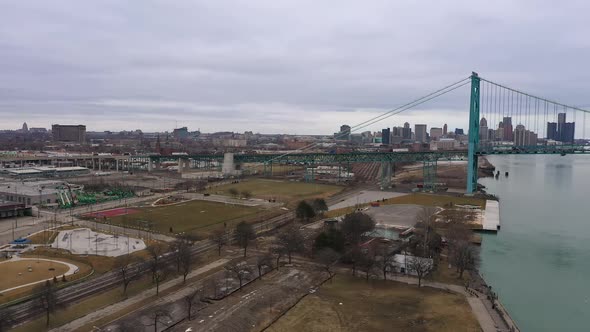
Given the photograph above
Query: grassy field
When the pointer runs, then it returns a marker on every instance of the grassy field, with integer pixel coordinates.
(10, 272)
(43, 237)
(283, 191)
(352, 304)
(196, 217)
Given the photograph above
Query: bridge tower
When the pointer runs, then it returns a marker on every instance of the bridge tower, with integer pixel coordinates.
(473, 134)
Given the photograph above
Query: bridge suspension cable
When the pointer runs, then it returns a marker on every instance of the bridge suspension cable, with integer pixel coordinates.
(509, 115)
(419, 101)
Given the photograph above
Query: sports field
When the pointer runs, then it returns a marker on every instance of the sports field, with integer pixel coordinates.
(352, 304)
(283, 191)
(40, 271)
(195, 217)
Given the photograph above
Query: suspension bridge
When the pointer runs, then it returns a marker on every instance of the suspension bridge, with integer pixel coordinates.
(502, 120)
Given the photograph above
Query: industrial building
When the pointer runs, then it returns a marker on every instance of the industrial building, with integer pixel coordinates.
(69, 133)
(33, 192)
(45, 171)
(11, 209)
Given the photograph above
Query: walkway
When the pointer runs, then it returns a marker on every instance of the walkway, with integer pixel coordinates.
(71, 270)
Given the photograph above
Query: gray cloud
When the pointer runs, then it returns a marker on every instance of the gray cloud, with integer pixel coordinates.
(268, 66)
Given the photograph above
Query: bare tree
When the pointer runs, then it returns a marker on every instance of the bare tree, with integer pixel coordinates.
(425, 220)
(278, 251)
(420, 266)
(159, 316)
(46, 299)
(239, 270)
(264, 260)
(128, 268)
(244, 235)
(464, 256)
(367, 264)
(247, 194)
(186, 263)
(385, 259)
(155, 251)
(327, 257)
(6, 320)
(220, 239)
(190, 299)
(292, 241)
(161, 273)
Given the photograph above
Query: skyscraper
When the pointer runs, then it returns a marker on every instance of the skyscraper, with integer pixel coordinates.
(435, 133)
(420, 130)
(483, 129)
(561, 126)
(552, 131)
(407, 131)
(508, 130)
(445, 130)
(386, 136)
(569, 129)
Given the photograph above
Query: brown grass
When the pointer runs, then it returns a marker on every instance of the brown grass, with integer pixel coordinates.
(352, 304)
(40, 271)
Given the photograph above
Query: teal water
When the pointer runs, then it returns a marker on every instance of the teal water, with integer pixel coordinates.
(539, 263)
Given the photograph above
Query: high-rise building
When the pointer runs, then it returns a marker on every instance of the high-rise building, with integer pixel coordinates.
(445, 128)
(180, 133)
(569, 129)
(344, 133)
(407, 131)
(524, 137)
(483, 129)
(25, 128)
(69, 133)
(397, 132)
(561, 125)
(561, 131)
(552, 131)
(508, 129)
(436, 133)
(386, 136)
(459, 131)
(420, 130)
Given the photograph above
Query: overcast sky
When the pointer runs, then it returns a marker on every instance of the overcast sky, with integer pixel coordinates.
(298, 67)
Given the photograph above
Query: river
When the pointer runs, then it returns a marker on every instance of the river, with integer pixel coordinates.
(539, 262)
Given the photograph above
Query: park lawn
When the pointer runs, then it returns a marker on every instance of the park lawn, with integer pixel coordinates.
(282, 191)
(197, 217)
(352, 304)
(435, 200)
(10, 272)
(43, 237)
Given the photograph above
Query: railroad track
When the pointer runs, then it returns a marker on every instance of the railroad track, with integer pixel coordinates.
(27, 310)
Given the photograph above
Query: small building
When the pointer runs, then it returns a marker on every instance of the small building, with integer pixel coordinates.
(402, 263)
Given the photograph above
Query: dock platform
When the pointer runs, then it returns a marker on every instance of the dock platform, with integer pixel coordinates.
(491, 217)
